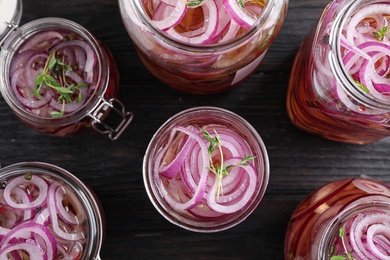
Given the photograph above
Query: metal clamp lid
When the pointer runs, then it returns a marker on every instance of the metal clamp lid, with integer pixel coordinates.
(10, 29)
(10, 13)
(100, 115)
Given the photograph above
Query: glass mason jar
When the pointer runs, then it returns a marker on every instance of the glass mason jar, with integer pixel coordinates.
(345, 217)
(31, 194)
(183, 177)
(193, 54)
(339, 82)
(82, 64)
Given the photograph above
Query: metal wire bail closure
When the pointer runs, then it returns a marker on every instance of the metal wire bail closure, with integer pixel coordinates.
(99, 115)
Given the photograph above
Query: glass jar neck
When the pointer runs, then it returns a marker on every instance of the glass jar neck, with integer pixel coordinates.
(267, 19)
(89, 201)
(21, 35)
(342, 11)
(332, 231)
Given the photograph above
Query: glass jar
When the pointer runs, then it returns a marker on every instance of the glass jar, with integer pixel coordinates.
(82, 65)
(338, 85)
(195, 56)
(341, 213)
(180, 169)
(40, 191)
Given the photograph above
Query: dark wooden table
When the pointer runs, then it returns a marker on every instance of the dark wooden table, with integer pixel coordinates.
(300, 162)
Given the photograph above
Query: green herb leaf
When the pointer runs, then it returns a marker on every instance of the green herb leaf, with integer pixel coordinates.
(57, 114)
(193, 3)
(53, 76)
(347, 255)
(364, 88)
(381, 33)
(39, 79)
(52, 61)
(220, 170)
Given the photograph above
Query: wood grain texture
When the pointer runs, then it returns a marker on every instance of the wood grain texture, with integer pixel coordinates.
(300, 162)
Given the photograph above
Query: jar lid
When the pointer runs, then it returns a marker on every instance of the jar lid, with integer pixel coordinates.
(8, 11)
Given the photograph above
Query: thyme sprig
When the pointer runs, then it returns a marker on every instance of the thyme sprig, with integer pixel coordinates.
(219, 168)
(362, 87)
(347, 255)
(241, 3)
(54, 76)
(193, 3)
(381, 33)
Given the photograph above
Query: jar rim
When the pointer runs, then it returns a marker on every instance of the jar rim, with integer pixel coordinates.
(18, 37)
(86, 196)
(336, 60)
(215, 115)
(200, 48)
(332, 228)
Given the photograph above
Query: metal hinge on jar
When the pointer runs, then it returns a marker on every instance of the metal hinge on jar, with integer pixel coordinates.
(10, 29)
(102, 112)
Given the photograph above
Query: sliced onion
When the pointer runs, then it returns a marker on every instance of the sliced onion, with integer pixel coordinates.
(210, 26)
(27, 231)
(365, 57)
(190, 185)
(170, 16)
(90, 55)
(247, 191)
(370, 235)
(239, 14)
(33, 250)
(22, 181)
(42, 224)
(30, 62)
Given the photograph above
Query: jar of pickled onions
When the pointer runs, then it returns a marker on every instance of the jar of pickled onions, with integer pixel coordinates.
(206, 169)
(48, 213)
(345, 219)
(202, 46)
(339, 86)
(59, 79)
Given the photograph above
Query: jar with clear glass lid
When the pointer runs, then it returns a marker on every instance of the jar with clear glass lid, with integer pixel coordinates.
(205, 46)
(339, 86)
(59, 79)
(344, 219)
(48, 213)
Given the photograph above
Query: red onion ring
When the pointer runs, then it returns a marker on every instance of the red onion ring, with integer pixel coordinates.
(22, 181)
(190, 186)
(48, 230)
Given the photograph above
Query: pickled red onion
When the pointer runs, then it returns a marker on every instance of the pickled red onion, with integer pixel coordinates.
(30, 61)
(167, 16)
(370, 235)
(239, 14)
(191, 186)
(366, 56)
(45, 231)
(218, 14)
